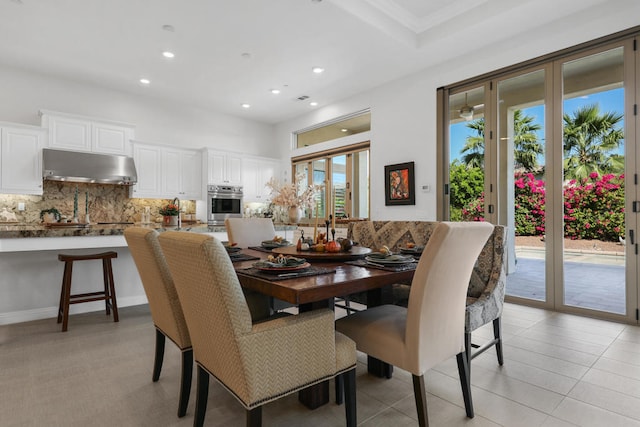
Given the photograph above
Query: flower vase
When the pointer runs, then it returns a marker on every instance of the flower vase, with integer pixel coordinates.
(170, 220)
(294, 214)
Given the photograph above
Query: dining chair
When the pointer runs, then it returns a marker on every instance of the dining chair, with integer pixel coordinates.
(431, 328)
(257, 363)
(166, 311)
(485, 295)
(245, 232)
(165, 307)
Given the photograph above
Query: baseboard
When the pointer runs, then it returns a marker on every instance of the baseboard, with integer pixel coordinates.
(52, 312)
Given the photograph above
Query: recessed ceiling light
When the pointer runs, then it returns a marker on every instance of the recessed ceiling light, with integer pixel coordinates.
(313, 103)
(317, 70)
(344, 130)
(168, 54)
(145, 81)
(246, 105)
(275, 91)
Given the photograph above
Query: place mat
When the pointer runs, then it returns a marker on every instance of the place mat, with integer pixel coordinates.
(260, 248)
(239, 256)
(390, 267)
(311, 271)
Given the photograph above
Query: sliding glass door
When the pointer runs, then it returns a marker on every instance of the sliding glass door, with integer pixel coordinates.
(551, 152)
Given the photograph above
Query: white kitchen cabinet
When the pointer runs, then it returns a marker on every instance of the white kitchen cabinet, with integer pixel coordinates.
(182, 174)
(79, 133)
(256, 172)
(21, 159)
(224, 168)
(165, 172)
(148, 161)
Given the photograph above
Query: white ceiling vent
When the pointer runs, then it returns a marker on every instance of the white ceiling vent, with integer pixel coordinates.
(302, 97)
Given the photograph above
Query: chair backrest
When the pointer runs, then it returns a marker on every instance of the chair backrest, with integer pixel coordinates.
(247, 232)
(490, 269)
(436, 310)
(164, 304)
(213, 303)
(393, 234)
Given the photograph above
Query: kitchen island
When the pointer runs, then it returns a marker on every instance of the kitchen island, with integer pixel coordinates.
(32, 275)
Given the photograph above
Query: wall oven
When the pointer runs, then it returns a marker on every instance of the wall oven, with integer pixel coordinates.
(223, 201)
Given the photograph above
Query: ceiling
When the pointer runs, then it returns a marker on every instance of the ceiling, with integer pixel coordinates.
(230, 52)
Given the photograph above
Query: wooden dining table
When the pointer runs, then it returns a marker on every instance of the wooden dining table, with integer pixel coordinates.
(314, 292)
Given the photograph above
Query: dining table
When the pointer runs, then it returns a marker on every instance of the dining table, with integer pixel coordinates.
(338, 276)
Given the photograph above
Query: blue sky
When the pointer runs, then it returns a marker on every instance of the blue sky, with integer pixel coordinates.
(611, 100)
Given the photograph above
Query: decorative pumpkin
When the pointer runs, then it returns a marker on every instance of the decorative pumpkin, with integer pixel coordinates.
(333, 246)
(319, 247)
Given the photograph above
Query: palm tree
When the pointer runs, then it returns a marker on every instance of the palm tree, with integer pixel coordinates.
(473, 150)
(525, 142)
(589, 139)
(526, 145)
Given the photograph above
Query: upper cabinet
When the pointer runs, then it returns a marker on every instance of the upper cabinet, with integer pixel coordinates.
(166, 172)
(182, 173)
(79, 133)
(223, 167)
(21, 158)
(256, 172)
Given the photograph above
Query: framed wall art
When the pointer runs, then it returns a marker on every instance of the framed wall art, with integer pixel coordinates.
(399, 184)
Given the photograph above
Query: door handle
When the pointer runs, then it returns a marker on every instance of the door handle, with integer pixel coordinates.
(631, 237)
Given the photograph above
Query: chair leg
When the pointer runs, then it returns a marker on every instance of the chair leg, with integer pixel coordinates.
(185, 382)
(159, 357)
(349, 382)
(339, 390)
(497, 334)
(202, 394)
(467, 347)
(420, 395)
(465, 382)
(254, 417)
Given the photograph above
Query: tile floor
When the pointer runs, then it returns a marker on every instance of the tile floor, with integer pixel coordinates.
(560, 370)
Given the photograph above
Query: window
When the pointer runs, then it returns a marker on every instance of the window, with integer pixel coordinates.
(344, 174)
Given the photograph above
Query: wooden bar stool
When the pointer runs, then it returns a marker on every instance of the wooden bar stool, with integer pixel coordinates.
(108, 294)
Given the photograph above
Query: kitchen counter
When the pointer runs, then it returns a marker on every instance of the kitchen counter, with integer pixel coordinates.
(30, 237)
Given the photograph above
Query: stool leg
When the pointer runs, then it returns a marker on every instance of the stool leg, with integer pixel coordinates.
(61, 304)
(112, 286)
(105, 280)
(66, 286)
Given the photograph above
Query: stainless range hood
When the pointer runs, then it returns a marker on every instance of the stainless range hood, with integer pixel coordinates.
(74, 166)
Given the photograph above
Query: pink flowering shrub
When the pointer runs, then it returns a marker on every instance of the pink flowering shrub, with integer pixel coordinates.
(529, 205)
(594, 207)
(474, 210)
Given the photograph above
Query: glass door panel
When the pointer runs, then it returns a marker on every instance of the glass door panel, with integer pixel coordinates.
(360, 185)
(339, 181)
(593, 185)
(467, 155)
(319, 177)
(522, 181)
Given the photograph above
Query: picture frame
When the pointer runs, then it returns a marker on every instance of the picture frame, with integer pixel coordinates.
(399, 184)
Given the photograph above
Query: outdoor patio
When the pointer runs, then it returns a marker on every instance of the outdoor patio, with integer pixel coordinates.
(593, 279)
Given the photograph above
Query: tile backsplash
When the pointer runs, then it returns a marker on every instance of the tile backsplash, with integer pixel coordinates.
(107, 203)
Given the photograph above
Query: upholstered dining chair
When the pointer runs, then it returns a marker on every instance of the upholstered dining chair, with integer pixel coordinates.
(485, 295)
(431, 328)
(245, 232)
(166, 311)
(257, 363)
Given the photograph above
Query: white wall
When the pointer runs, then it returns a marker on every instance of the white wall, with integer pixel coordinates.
(24, 93)
(403, 112)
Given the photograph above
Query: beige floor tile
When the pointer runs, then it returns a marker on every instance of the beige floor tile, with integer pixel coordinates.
(586, 415)
(607, 399)
(613, 382)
